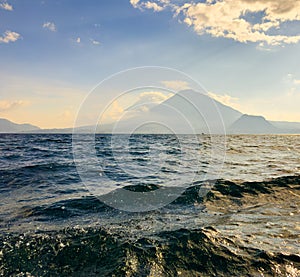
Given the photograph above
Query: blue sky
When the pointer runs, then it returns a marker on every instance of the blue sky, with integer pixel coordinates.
(52, 53)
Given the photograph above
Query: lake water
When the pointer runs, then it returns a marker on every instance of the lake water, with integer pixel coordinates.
(215, 206)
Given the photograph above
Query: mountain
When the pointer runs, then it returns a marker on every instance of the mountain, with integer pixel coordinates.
(189, 111)
(185, 112)
(7, 126)
(204, 113)
(287, 127)
(82, 130)
(250, 124)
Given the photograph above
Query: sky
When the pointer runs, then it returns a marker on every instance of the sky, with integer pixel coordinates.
(245, 53)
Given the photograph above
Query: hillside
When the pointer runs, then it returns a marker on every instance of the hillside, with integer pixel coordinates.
(250, 124)
(185, 112)
(7, 126)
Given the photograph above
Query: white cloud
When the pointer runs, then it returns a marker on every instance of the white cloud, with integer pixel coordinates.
(230, 18)
(226, 100)
(157, 6)
(148, 99)
(153, 97)
(134, 2)
(50, 26)
(128, 107)
(176, 85)
(9, 36)
(227, 19)
(264, 47)
(78, 40)
(154, 6)
(95, 42)
(114, 113)
(6, 105)
(6, 6)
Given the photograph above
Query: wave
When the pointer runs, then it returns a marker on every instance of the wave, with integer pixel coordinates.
(69, 208)
(214, 194)
(241, 229)
(97, 252)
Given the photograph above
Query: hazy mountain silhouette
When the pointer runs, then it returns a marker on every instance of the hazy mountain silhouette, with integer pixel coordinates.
(186, 112)
(7, 126)
(250, 124)
(204, 113)
(287, 127)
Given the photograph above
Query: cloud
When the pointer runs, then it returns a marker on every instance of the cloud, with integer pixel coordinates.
(228, 19)
(263, 47)
(148, 99)
(67, 116)
(290, 80)
(6, 6)
(226, 100)
(257, 21)
(152, 97)
(284, 106)
(114, 113)
(95, 42)
(176, 85)
(54, 96)
(297, 82)
(125, 108)
(6, 105)
(134, 3)
(50, 26)
(154, 6)
(9, 36)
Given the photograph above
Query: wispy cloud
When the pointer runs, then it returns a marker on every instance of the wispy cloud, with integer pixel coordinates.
(297, 82)
(148, 99)
(95, 42)
(50, 26)
(6, 105)
(113, 113)
(154, 97)
(9, 36)
(234, 19)
(226, 99)
(176, 85)
(6, 6)
(262, 46)
(290, 80)
(123, 109)
(134, 2)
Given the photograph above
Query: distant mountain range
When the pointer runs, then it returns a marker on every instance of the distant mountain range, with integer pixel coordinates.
(7, 126)
(185, 112)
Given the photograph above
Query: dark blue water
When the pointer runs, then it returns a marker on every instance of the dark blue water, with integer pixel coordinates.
(238, 219)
